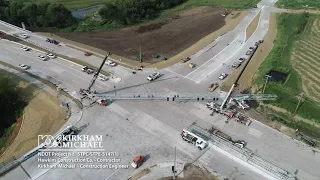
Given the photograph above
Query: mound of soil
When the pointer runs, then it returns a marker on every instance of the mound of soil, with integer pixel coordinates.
(165, 39)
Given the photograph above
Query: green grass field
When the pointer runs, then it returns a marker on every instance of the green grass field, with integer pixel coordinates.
(236, 4)
(71, 4)
(233, 4)
(299, 4)
(296, 51)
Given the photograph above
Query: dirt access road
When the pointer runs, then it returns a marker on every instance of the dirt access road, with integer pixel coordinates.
(165, 39)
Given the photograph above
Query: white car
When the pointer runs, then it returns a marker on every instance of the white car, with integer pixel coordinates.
(24, 36)
(24, 67)
(241, 60)
(25, 48)
(84, 68)
(102, 77)
(223, 76)
(110, 63)
(50, 55)
(153, 76)
(42, 58)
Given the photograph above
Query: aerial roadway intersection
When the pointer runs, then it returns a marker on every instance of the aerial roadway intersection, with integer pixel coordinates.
(153, 128)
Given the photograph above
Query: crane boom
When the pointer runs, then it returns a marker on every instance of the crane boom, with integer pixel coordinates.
(96, 74)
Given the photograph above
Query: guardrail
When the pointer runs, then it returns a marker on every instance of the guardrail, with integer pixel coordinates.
(16, 27)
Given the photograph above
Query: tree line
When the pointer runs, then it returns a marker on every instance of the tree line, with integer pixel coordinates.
(38, 15)
(12, 102)
(127, 12)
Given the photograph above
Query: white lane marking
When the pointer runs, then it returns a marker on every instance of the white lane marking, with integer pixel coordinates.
(164, 132)
(245, 36)
(52, 61)
(254, 132)
(211, 60)
(174, 73)
(112, 174)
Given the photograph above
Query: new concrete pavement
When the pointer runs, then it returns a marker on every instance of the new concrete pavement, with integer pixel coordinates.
(148, 127)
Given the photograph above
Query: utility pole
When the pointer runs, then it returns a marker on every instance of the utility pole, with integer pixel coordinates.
(174, 164)
(140, 55)
(267, 79)
(301, 95)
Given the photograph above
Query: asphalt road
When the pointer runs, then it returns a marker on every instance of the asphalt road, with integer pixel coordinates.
(147, 127)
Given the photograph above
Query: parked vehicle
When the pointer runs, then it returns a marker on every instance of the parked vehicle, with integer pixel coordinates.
(185, 59)
(241, 104)
(191, 135)
(223, 76)
(24, 36)
(239, 143)
(213, 87)
(25, 48)
(84, 68)
(110, 63)
(104, 102)
(24, 67)
(90, 71)
(241, 60)
(153, 76)
(236, 65)
(240, 118)
(87, 53)
(52, 56)
(102, 77)
(192, 65)
(138, 161)
(42, 58)
(222, 135)
(248, 52)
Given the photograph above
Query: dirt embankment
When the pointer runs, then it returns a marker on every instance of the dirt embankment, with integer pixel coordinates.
(252, 26)
(43, 115)
(261, 54)
(165, 39)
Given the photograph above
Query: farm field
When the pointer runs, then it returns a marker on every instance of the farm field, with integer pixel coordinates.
(299, 4)
(163, 38)
(295, 54)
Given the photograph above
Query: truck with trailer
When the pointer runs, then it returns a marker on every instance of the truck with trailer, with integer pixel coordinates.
(222, 135)
(196, 136)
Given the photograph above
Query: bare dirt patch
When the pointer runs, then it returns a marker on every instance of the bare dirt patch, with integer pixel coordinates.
(252, 26)
(261, 54)
(232, 20)
(43, 115)
(140, 174)
(192, 172)
(177, 34)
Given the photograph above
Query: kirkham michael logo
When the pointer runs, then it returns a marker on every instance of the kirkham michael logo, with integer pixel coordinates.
(70, 142)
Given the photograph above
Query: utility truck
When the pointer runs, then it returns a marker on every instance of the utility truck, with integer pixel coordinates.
(196, 136)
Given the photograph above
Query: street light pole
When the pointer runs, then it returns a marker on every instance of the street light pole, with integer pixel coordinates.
(140, 55)
(267, 78)
(174, 163)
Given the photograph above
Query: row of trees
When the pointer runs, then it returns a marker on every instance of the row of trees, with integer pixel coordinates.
(12, 102)
(128, 12)
(36, 15)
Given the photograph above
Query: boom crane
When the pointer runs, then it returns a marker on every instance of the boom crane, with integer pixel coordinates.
(87, 91)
